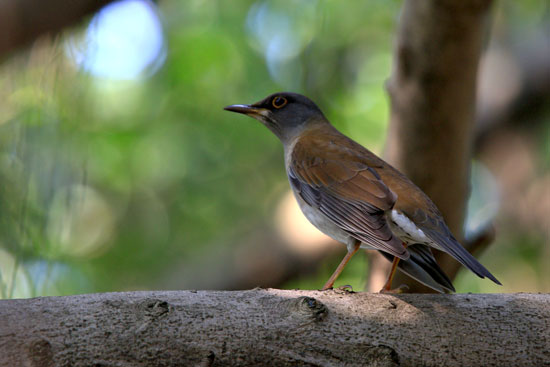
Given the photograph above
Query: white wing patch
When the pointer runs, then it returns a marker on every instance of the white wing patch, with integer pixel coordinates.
(405, 228)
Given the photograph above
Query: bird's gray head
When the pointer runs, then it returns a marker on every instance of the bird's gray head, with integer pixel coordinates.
(285, 114)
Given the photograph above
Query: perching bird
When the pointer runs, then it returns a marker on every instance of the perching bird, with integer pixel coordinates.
(355, 197)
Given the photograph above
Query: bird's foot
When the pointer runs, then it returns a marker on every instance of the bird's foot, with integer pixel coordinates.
(345, 289)
(403, 288)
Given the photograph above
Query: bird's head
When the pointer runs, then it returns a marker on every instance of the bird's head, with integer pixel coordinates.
(285, 114)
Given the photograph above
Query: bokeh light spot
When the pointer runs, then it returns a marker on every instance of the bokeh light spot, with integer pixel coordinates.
(123, 41)
(14, 280)
(300, 235)
(281, 35)
(484, 200)
(80, 222)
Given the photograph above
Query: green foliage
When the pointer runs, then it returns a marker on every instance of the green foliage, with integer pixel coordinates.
(110, 185)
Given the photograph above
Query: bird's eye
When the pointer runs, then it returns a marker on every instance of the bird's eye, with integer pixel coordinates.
(279, 102)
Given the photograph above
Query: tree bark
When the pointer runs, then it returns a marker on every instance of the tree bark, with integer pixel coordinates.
(22, 21)
(432, 92)
(275, 327)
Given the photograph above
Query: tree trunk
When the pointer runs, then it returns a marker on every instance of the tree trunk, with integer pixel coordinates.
(276, 327)
(22, 21)
(432, 91)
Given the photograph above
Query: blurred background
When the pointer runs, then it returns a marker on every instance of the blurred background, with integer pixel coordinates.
(119, 170)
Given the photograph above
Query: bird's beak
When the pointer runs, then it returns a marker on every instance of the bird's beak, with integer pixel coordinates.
(246, 109)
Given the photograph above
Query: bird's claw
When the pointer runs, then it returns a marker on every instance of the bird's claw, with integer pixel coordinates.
(345, 288)
(403, 288)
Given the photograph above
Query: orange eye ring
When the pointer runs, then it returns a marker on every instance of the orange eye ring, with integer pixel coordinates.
(279, 102)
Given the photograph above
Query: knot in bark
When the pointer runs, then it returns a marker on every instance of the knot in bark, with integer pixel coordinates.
(40, 353)
(309, 308)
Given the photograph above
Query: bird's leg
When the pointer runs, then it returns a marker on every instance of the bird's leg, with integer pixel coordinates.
(387, 286)
(342, 265)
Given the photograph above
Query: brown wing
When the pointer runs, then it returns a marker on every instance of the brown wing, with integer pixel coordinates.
(340, 180)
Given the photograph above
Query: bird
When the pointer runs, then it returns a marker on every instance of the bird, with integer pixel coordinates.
(357, 198)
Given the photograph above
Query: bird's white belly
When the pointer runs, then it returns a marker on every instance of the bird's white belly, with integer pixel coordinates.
(327, 226)
(324, 224)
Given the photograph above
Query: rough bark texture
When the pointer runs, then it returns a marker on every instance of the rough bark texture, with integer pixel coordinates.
(432, 91)
(276, 327)
(22, 21)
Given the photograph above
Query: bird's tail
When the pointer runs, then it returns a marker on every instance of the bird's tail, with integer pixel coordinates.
(444, 240)
(466, 259)
(422, 267)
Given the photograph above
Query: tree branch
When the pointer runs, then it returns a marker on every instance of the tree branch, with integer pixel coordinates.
(278, 327)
